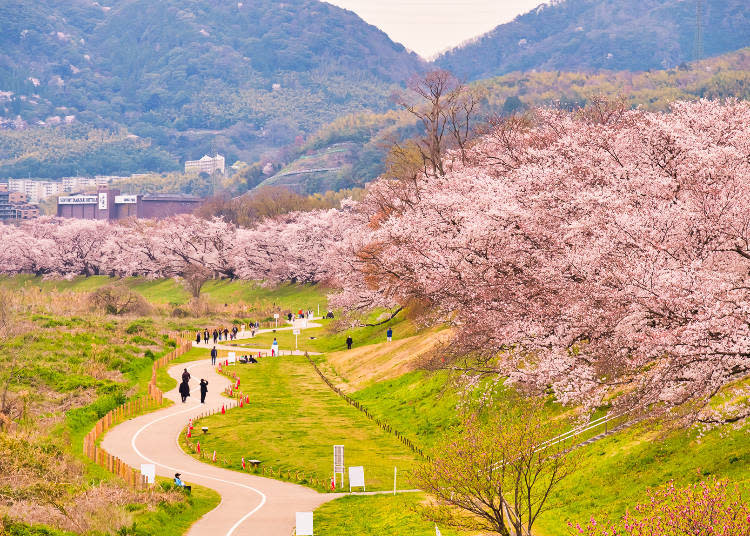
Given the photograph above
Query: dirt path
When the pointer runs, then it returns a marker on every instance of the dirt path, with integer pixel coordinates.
(250, 505)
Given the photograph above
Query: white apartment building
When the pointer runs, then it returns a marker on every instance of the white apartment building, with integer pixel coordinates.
(35, 190)
(206, 164)
(75, 184)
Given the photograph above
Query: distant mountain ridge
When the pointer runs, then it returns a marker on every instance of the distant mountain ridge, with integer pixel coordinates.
(258, 73)
(592, 35)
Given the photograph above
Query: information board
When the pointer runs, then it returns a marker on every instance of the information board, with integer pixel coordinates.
(356, 477)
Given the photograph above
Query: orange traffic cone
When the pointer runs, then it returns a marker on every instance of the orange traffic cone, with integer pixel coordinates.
(213, 458)
(198, 447)
(333, 486)
(247, 399)
(243, 464)
(223, 411)
(241, 404)
(188, 433)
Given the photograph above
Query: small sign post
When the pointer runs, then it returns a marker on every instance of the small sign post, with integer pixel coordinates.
(395, 472)
(231, 357)
(304, 524)
(338, 463)
(276, 319)
(149, 471)
(296, 332)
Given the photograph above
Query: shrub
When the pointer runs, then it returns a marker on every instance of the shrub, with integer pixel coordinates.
(117, 299)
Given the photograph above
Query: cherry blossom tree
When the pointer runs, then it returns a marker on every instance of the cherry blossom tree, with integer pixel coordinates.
(587, 251)
(708, 507)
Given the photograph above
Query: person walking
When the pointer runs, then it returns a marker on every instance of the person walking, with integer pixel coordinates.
(349, 342)
(185, 375)
(216, 336)
(198, 338)
(289, 317)
(274, 347)
(204, 390)
(214, 355)
(205, 336)
(389, 334)
(184, 390)
(226, 334)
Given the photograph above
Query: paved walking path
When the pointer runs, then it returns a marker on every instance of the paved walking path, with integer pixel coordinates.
(245, 336)
(250, 505)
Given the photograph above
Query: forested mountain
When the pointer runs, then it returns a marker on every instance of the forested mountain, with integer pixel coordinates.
(243, 76)
(587, 35)
(725, 76)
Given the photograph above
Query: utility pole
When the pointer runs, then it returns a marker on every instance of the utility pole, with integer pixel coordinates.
(698, 46)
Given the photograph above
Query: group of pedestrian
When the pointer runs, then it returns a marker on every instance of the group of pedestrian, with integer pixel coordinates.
(185, 387)
(218, 334)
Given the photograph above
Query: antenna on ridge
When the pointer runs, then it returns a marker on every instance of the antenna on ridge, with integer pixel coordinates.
(698, 46)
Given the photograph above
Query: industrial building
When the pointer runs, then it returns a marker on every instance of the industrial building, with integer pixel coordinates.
(110, 204)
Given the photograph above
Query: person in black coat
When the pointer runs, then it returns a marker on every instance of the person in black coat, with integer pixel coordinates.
(205, 336)
(185, 376)
(349, 342)
(184, 391)
(216, 336)
(204, 390)
(214, 354)
(198, 338)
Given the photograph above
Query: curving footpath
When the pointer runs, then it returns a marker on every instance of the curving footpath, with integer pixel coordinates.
(250, 505)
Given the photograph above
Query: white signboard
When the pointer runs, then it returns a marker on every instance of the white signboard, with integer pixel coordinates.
(149, 470)
(126, 199)
(356, 477)
(304, 523)
(338, 463)
(231, 357)
(296, 332)
(276, 315)
(243, 327)
(78, 200)
(102, 201)
(338, 458)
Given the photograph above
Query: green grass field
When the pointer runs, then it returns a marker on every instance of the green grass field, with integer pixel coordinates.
(376, 515)
(294, 420)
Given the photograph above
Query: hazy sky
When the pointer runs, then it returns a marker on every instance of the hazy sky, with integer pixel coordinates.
(430, 26)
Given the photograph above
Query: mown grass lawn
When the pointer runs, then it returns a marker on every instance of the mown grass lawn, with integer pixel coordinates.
(294, 420)
(375, 515)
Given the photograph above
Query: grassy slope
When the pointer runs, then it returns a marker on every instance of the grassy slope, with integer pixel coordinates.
(169, 291)
(616, 471)
(176, 519)
(100, 362)
(293, 421)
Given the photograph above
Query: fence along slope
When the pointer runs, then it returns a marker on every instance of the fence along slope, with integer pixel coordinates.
(152, 400)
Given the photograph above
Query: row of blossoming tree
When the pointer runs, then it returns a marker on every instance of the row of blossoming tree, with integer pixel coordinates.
(585, 250)
(601, 254)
